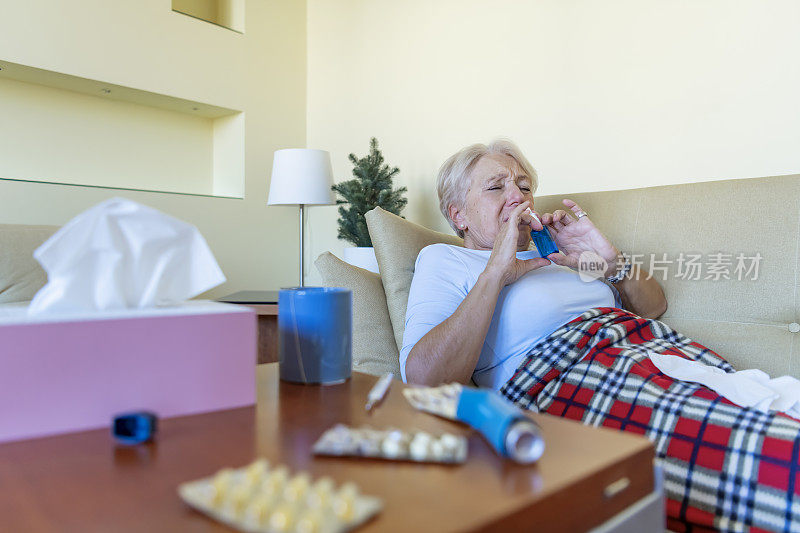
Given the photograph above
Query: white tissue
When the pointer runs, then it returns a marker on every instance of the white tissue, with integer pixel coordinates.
(121, 255)
(747, 388)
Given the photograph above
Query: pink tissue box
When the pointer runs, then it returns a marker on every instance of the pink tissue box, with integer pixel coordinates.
(73, 372)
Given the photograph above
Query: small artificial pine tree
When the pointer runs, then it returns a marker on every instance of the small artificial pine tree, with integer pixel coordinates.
(370, 188)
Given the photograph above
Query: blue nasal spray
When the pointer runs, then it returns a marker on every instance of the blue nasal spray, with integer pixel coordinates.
(542, 239)
(506, 427)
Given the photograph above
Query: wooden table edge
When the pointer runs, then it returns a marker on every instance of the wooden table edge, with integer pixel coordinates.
(263, 309)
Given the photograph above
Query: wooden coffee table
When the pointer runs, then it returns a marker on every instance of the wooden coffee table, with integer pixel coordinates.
(83, 482)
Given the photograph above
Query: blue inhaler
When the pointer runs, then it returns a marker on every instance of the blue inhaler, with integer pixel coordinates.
(542, 239)
(505, 426)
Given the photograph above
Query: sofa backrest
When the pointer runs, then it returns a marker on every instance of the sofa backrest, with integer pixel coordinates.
(747, 321)
(20, 275)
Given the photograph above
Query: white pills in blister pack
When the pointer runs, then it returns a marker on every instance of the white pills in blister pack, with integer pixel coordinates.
(263, 499)
(394, 444)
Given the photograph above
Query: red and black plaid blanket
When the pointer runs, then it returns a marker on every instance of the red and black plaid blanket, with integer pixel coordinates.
(725, 467)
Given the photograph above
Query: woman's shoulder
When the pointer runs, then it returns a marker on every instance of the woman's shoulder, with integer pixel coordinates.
(438, 266)
(448, 263)
(438, 253)
(440, 248)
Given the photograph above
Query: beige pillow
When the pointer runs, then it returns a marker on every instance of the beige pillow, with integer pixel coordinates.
(20, 275)
(397, 244)
(374, 351)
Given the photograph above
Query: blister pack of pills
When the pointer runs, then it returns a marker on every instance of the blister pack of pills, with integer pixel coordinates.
(441, 401)
(393, 444)
(259, 498)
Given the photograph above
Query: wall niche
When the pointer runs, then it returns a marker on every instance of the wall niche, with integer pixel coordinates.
(226, 13)
(66, 129)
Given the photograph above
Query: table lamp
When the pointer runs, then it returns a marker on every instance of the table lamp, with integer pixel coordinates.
(301, 176)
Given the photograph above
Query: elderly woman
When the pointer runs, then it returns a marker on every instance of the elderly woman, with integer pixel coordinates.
(452, 330)
(497, 313)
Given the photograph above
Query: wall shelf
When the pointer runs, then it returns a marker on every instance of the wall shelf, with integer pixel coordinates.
(66, 129)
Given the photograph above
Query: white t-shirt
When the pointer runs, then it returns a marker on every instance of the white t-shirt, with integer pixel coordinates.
(527, 310)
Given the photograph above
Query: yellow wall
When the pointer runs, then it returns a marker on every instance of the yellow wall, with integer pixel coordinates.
(95, 141)
(600, 95)
(228, 13)
(204, 9)
(145, 45)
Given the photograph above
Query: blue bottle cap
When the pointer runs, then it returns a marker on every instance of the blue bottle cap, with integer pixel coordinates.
(134, 428)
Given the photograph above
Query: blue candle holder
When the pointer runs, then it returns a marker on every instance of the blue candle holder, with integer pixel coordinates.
(315, 334)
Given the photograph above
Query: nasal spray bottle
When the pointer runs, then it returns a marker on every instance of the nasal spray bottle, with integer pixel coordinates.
(542, 239)
(506, 427)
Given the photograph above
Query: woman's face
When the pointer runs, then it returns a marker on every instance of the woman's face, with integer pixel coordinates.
(497, 185)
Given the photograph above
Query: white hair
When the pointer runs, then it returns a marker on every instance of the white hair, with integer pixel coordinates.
(453, 180)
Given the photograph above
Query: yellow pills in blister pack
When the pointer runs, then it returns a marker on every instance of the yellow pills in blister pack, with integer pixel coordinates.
(441, 400)
(264, 499)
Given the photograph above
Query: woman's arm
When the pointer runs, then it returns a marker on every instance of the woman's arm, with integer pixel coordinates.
(641, 295)
(450, 351)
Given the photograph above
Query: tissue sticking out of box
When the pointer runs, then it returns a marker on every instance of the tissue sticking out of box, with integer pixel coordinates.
(123, 255)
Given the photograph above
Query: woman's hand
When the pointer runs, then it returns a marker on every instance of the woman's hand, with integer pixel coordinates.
(503, 265)
(576, 236)
(638, 291)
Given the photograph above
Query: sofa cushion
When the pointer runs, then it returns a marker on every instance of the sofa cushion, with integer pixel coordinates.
(374, 350)
(20, 275)
(397, 244)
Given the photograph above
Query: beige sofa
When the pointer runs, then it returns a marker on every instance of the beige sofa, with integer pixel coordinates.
(751, 322)
(20, 274)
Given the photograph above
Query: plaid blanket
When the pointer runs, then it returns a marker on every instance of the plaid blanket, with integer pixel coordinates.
(726, 467)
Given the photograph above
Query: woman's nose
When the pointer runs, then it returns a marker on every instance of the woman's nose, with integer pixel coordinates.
(514, 194)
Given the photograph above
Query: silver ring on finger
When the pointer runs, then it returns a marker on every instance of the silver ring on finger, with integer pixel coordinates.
(581, 214)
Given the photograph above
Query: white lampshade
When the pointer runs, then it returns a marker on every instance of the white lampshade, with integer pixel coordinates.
(301, 176)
